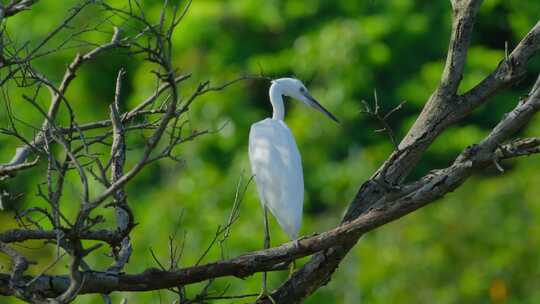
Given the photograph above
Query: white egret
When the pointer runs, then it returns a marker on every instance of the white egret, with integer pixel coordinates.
(276, 162)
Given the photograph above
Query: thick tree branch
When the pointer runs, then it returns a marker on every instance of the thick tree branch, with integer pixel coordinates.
(519, 147)
(462, 27)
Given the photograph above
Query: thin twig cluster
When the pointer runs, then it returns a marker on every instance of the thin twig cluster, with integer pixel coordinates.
(159, 120)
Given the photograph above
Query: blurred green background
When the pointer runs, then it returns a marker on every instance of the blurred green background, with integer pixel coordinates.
(477, 245)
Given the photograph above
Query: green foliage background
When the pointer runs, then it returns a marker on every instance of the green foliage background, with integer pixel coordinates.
(477, 245)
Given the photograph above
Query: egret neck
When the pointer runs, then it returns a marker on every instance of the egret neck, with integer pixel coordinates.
(276, 99)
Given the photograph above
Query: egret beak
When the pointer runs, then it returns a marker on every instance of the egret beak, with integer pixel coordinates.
(317, 106)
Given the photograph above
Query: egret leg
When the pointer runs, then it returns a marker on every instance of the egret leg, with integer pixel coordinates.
(264, 291)
(266, 243)
(292, 265)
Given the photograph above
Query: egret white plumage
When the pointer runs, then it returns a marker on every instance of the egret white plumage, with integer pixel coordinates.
(276, 162)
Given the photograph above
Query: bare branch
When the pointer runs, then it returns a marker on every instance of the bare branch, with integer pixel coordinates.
(124, 215)
(19, 266)
(462, 27)
(17, 6)
(11, 169)
(382, 118)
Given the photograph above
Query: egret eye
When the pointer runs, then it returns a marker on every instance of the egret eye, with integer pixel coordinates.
(302, 89)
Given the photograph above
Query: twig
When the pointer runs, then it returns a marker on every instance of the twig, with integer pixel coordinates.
(382, 118)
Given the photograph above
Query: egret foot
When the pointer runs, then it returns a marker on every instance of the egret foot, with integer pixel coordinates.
(296, 242)
(292, 265)
(264, 294)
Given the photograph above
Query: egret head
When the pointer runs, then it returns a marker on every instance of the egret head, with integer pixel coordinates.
(294, 88)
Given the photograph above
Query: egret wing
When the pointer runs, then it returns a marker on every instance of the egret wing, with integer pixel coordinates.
(277, 166)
